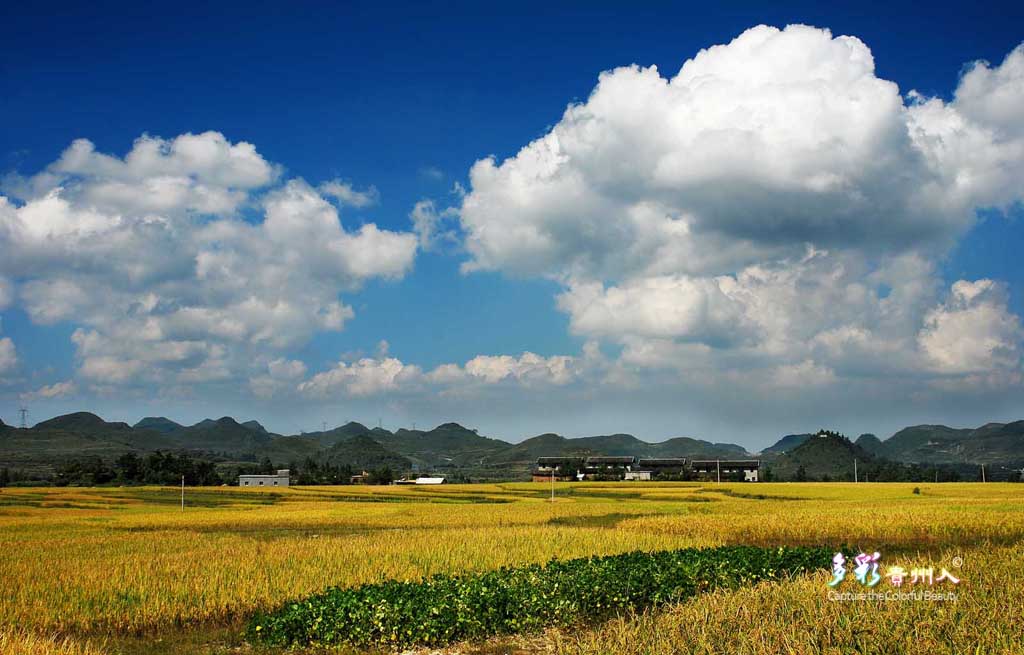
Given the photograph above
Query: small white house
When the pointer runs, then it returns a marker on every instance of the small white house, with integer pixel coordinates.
(430, 480)
(638, 475)
(279, 479)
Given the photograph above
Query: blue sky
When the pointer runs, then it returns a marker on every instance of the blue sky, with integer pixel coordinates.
(406, 98)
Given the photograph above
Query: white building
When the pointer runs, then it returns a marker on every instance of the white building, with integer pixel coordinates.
(638, 475)
(430, 480)
(279, 479)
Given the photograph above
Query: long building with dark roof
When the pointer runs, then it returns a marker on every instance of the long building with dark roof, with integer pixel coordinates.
(628, 467)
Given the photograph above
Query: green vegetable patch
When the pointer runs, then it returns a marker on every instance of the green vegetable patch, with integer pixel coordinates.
(446, 608)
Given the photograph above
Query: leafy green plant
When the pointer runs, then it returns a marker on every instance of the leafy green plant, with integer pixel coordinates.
(446, 608)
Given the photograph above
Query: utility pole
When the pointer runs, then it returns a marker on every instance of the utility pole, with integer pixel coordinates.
(982, 472)
(323, 424)
(183, 493)
(718, 467)
(855, 469)
(552, 484)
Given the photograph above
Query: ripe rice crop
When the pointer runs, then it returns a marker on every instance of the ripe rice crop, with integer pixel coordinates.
(113, 565)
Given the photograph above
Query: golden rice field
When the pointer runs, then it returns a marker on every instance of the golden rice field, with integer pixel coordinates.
(124, 570)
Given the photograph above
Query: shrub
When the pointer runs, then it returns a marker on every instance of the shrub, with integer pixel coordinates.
(446, 608)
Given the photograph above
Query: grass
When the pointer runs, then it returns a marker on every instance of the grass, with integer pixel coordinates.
(119, 568)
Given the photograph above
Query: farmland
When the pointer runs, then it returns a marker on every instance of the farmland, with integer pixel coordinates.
(124, 570)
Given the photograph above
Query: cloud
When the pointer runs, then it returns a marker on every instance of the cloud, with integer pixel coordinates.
(8, 356)
(6, 293)
(201, 173)
(754, 148)
(429, 224)
(383, 374)
(431, 173)
(281, 375)
(367, 376)
(55, 390)
(528, 369)
(346, 194)
(994, 97)
(168, 284)
(973, 331)
(679, 307)
(767, 216)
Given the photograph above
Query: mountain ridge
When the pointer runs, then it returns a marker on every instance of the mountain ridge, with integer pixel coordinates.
(451, 446)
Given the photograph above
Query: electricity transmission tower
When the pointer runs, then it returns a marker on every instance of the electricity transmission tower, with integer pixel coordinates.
(23, 413)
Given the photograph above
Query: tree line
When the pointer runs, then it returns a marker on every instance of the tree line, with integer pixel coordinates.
(169, 468)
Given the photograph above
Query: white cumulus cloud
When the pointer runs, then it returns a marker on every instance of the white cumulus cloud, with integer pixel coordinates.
(346, 194)
(364, 377)
(150, 256)
(55, 390)
(8, 356)
(768, 214)
(973, 332)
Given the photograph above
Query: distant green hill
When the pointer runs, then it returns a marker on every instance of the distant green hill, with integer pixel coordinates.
(255, 425)
(331, 437)
(870, 443)
(938, 444)
(787, 443)
(66, 437)
(158, 424)
(225, 435)
(819, 456)
(285, 450)
(695, 448)
(553, 445)
(543, 445)
(363, 453)
(82, 423)
(447, 445)
(455, 449)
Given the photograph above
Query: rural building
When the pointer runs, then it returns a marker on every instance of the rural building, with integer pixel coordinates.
(559, 468)
(603, 467)
(279, 479)
(662, 464)
(430, 480)
(638, 475)
(626, 467)
(731, 470)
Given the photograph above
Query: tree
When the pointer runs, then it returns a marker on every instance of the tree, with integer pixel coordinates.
(801, 474)
(5, 477)
(381, 476)
(129, 467)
